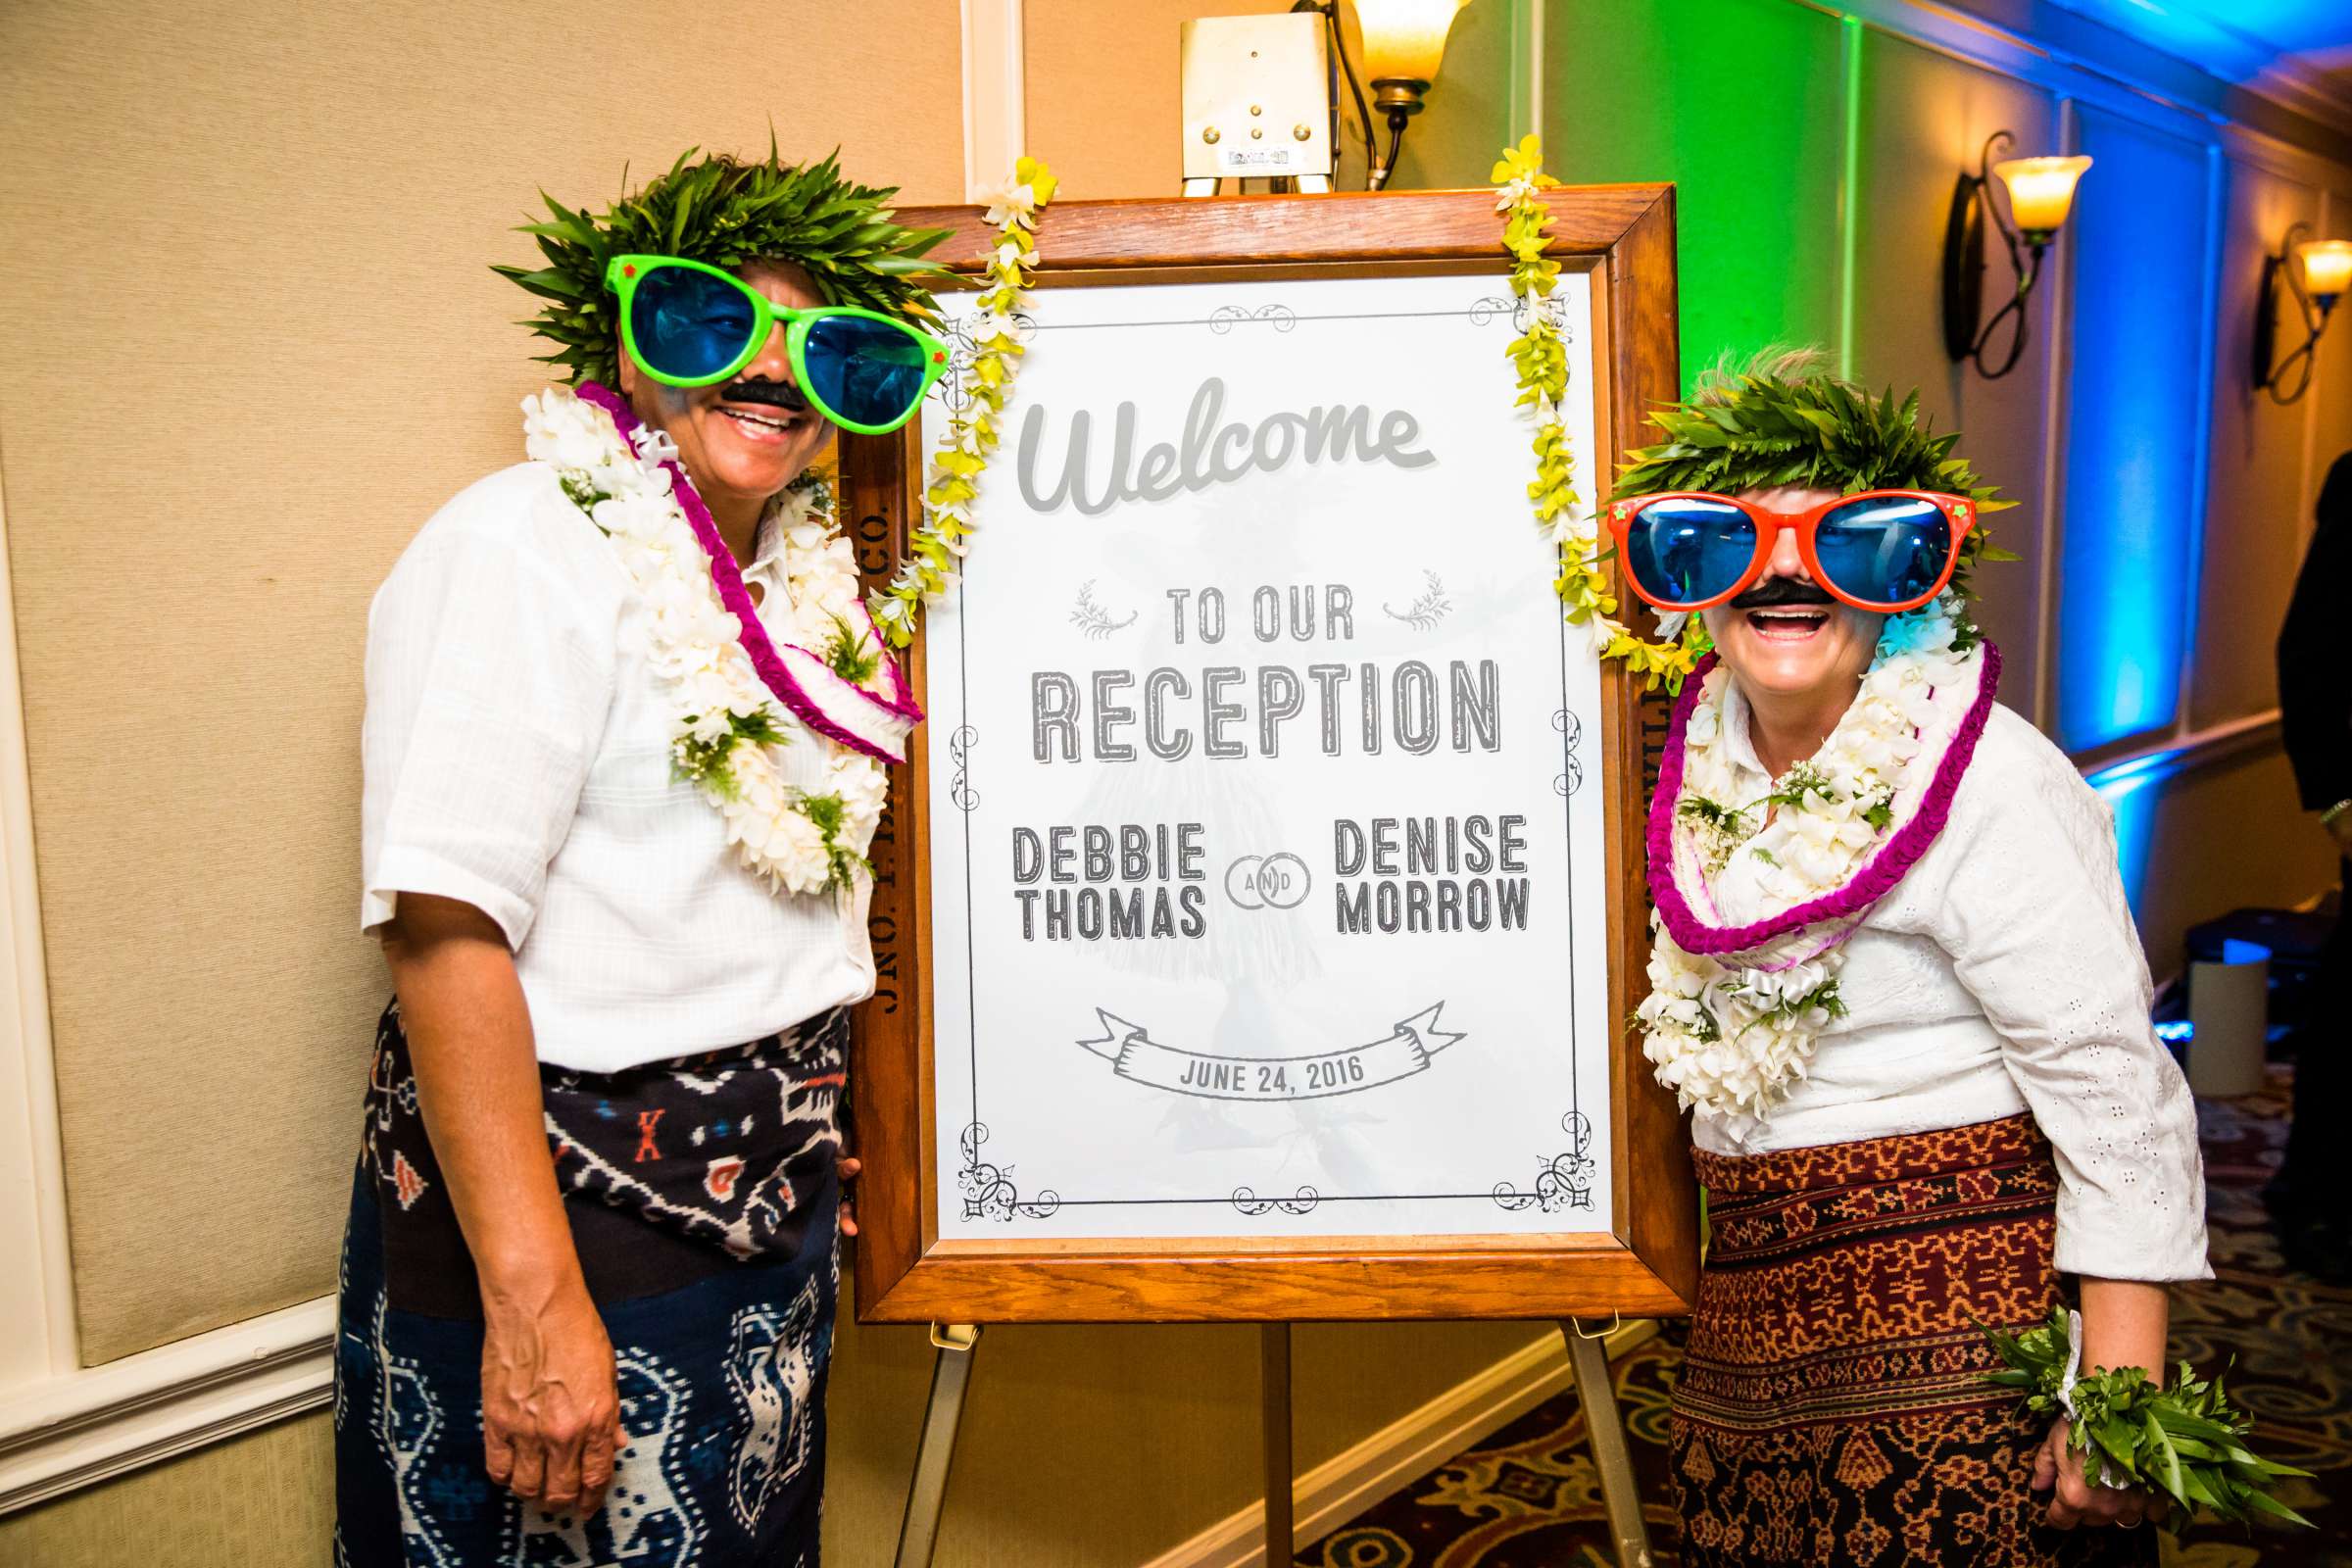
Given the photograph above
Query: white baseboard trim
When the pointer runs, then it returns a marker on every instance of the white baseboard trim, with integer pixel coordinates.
(1344, 1486)
(78, 1428)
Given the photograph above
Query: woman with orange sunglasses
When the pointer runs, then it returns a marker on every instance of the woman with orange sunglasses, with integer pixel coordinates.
(1895, 977)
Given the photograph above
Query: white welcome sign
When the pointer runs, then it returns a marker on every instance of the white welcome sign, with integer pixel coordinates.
(1268, 897)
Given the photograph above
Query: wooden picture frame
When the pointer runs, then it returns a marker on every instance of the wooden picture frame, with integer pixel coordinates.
(1646, 1262)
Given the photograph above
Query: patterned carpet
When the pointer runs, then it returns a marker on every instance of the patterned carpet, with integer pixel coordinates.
(1529, 1497)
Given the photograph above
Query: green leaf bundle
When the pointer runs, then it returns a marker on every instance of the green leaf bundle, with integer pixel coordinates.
(2185, 1441)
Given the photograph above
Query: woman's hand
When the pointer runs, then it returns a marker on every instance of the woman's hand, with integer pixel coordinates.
(551, 1413)
(2123, 1325)
(2074, 1500)
(848, 1169)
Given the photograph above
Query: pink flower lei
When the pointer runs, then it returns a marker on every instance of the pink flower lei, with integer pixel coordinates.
(1874, 879)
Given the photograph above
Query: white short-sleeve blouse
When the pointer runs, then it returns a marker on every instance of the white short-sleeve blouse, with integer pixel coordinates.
(516, 757)
(2003, 974)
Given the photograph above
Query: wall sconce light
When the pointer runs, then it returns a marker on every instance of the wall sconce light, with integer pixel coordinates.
(2317, 272)
(2041, 191)
(1404, 41)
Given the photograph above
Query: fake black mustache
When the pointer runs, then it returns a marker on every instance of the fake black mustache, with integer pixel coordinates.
(1774, 592)
(775, 394)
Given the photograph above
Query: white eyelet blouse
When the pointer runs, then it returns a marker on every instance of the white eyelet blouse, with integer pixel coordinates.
(2003, 974)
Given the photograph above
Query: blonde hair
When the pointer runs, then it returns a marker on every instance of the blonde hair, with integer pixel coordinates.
(1789, 364)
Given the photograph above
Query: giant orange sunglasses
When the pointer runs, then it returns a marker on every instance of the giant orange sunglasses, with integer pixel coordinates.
(1885, 551)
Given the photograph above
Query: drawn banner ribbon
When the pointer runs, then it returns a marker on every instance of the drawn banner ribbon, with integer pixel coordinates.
(1136, 1058)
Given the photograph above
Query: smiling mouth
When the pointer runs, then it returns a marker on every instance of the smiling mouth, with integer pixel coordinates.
(763, 424)
(1788, 623)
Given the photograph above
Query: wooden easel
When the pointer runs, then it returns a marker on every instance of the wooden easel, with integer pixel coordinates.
(950, 1377)
(1620, 238)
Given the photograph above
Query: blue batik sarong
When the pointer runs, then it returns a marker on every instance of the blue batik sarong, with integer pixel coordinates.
(704, 1202)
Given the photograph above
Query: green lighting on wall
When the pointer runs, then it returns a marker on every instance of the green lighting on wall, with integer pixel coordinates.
(1744, 104)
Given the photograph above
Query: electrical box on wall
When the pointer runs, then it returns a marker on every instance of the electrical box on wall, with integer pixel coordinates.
(1256, 97)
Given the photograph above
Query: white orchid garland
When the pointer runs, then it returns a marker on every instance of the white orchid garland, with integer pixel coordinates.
(728, 722)
(929, 569)
(1730, 1038)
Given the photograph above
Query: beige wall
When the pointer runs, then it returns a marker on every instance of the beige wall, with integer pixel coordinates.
(1104, 100)
(252, 343)
(1105, 103)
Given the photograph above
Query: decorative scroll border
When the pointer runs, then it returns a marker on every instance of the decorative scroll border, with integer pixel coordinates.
(1564, 1180)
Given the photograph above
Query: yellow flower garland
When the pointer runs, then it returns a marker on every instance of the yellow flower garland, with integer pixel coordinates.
(1543, 364)
(1539, 355)
(929, 569)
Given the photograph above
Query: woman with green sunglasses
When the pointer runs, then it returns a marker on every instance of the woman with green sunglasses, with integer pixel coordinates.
(689, 325)
(623, 755)
(753, 424)
(748, 371)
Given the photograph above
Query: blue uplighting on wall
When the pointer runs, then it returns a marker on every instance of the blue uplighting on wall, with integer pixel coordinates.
(2126, 788)
(2136, 412)
(2231, 38)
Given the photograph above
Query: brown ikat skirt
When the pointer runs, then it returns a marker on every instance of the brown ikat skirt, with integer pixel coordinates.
(1833, 1408)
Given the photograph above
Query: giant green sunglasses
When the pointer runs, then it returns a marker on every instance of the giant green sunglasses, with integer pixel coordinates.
(690, 324)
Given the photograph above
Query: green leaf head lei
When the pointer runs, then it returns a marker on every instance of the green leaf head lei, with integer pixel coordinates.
(725, 212)
(1782, 418)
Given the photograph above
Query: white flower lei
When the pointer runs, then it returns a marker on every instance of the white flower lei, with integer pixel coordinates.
(728, 721)
(1730, 1038)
